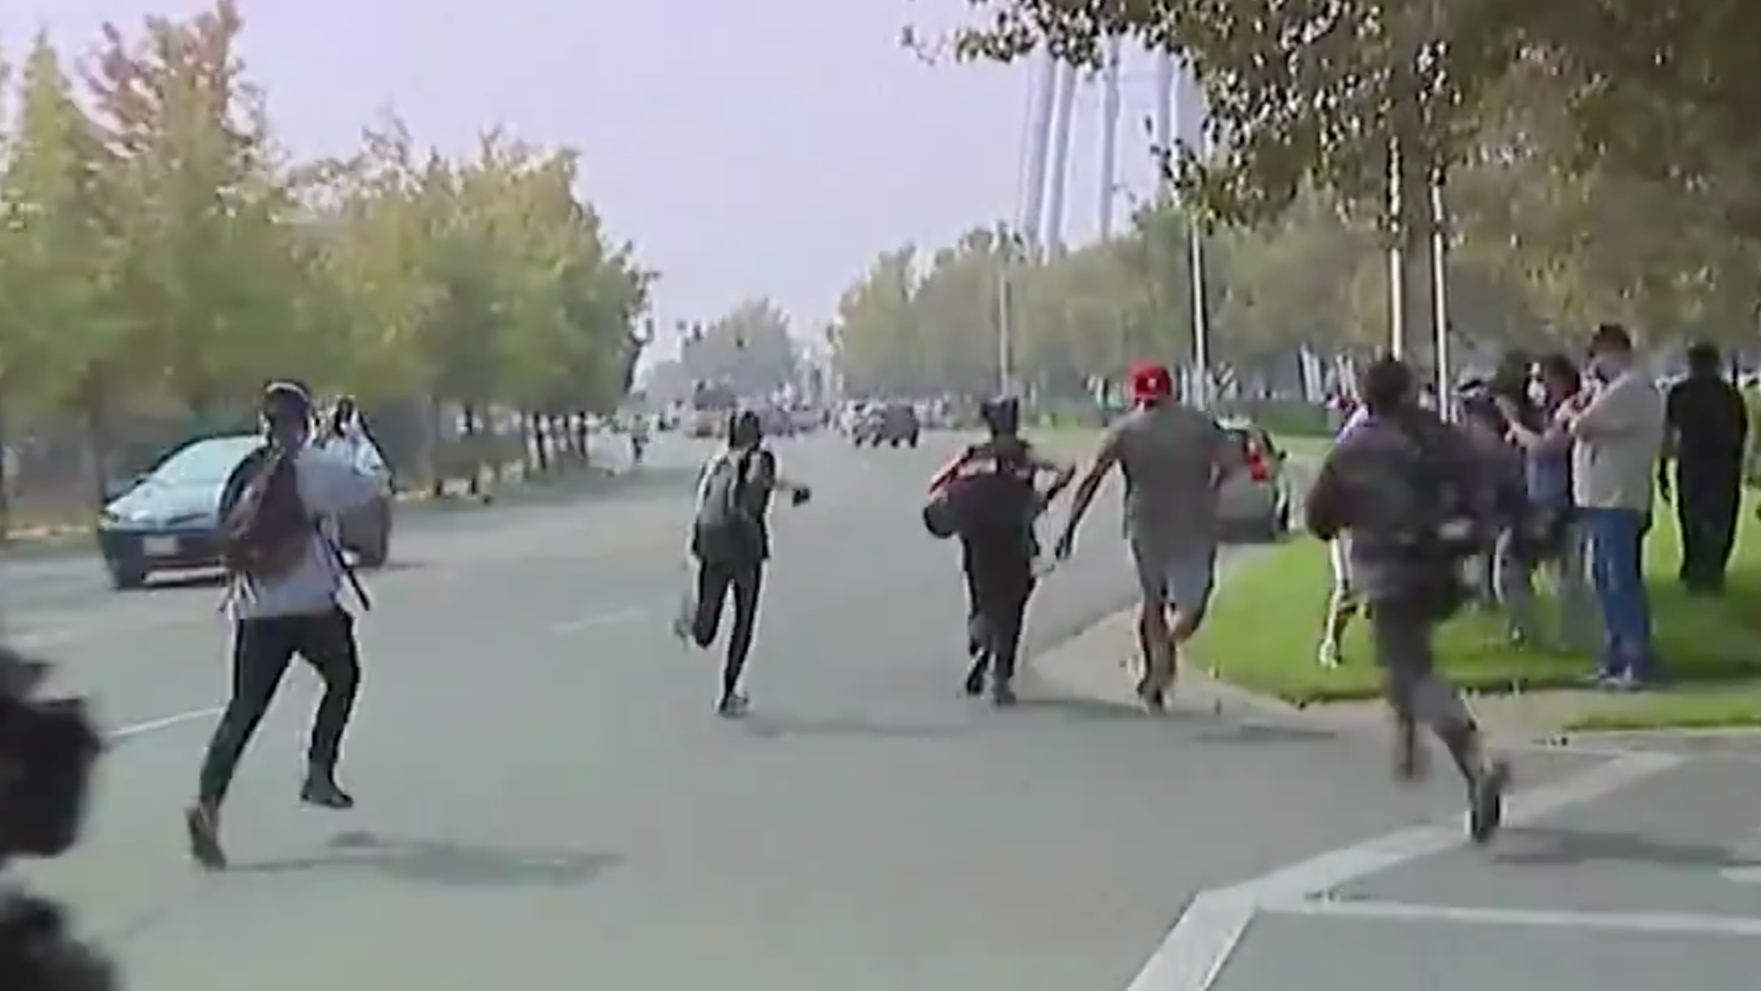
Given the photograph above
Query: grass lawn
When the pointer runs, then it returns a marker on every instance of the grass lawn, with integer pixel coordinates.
(1266, 622)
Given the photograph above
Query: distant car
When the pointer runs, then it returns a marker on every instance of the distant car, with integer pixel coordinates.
(776, 421)
(1255, 502)
(166, 519)
(894, 424)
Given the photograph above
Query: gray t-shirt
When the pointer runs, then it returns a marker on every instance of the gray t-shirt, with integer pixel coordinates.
(1172, 456)
(330, 486)
(1619, 437)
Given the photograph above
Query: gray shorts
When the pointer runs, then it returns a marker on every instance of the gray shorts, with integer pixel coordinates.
(1182, 578)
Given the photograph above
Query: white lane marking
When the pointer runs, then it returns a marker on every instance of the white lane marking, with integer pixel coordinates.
(166, 722)
(1192, 957)
(1674, 923)
(629, 615)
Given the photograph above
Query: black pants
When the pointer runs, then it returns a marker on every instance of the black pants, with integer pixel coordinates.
(261, 650)
(714, 581)
(1706, 506)
(997, 595)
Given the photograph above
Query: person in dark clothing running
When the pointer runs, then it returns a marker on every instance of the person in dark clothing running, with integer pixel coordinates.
(1708, 430)
(278, 513)
(1412, 492)
(996, 505)
(988, 562)
(732, 546)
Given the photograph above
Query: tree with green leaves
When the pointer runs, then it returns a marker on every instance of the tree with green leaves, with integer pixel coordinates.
(161, 257)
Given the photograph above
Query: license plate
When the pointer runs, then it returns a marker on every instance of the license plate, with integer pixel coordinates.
(159, 546)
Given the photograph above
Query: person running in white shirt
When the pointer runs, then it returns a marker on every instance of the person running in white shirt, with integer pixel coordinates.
(1342, 604)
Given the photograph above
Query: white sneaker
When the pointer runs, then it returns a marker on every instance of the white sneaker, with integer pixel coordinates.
(1328, 657)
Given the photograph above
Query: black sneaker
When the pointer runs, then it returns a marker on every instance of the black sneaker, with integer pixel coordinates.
(1487, 813)
(322, 790)
(732, 706)
(1003, 695)
(974, 686)
(203, 824)
(1153, 698)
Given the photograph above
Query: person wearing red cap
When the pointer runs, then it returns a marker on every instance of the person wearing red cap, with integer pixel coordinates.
(1173, 458)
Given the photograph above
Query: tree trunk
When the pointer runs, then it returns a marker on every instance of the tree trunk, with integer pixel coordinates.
(540, 424)
(580, 429)
(473, 456)
(95, 414)
(431, 448)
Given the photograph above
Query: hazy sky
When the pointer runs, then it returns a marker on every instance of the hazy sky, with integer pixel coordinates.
(751, 147)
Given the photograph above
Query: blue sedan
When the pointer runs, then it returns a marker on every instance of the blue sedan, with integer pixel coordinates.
(165, 520)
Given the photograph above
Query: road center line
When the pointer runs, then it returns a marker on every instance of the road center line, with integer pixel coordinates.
(631, 614)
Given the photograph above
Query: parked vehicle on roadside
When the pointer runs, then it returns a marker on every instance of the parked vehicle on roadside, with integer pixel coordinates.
(166, 519)
(1256, 501)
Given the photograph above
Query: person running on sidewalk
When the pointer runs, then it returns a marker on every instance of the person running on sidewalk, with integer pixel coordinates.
(278, 532)
(730, 541)
(1173, 458)
(1342, 604)
(1409, 489)
(1005, 447)
(992, 506)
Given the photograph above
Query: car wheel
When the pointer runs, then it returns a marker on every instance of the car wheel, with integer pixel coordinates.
(913, 441)
(897, 441)
(124, 577)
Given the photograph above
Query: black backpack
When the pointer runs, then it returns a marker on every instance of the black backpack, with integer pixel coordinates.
(264, 529)
(725, 527)
(1449, 526)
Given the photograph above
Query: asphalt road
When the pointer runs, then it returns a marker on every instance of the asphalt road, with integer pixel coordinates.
(547, 800)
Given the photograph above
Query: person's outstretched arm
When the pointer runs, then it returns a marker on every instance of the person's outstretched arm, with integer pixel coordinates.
(1105, 460)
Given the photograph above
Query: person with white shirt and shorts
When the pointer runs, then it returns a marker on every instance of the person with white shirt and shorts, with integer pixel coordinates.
(1342, 604)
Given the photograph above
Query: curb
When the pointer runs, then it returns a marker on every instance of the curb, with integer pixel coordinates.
(1098, 665)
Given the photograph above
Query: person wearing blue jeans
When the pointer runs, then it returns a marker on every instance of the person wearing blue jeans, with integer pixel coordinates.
(1616, 540)
(1617, 434)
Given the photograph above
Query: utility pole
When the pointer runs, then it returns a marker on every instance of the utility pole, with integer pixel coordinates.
(1163, 127)
(1060, 177)
(1038, 144)
(1189, 121)
(1109, 136)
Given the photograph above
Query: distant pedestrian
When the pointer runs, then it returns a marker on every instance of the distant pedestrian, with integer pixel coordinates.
(1174, 457)
(1618, 430)
(1409, 490)
(730, 542)
(285, 572)
(1708, 434)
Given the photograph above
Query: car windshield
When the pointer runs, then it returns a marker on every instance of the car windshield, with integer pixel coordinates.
(205, 462)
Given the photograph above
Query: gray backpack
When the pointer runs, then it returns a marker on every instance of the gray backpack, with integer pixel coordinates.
(725, 527)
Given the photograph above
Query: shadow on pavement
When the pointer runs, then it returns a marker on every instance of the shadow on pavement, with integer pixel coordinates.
(774, 726)
(1552, 847)
(1268, 733)
(1094, 710)
(436, 862)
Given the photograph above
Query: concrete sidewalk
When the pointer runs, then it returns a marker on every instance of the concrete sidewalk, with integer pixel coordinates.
(1631, 865)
